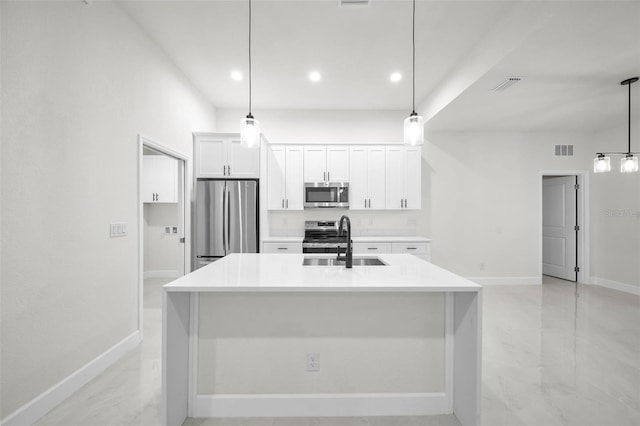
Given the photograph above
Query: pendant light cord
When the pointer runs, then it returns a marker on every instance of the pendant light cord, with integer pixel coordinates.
(249, 57)
(413, 43)
(629, 121)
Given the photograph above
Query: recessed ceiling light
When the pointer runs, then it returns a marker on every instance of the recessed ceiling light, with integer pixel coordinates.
(236, 75)
(314, 76)
(395, 77)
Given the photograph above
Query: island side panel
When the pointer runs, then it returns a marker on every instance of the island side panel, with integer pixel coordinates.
(175, 357)
(467, 357)
(368, 342)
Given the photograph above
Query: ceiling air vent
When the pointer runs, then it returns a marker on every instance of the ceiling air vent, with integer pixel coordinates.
(353, 3)
(510, 81)
(564, 150)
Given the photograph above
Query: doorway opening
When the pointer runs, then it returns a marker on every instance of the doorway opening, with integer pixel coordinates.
(564, 225)
(162, 220)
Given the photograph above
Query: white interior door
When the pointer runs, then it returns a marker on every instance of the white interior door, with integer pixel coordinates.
(559, 227)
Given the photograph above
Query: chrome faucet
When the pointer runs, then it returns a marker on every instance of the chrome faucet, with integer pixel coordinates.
(349, 254)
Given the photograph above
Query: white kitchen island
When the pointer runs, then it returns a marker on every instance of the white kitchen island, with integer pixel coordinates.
(398, 339)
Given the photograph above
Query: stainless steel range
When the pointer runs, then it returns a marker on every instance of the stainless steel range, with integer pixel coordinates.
(321, 236)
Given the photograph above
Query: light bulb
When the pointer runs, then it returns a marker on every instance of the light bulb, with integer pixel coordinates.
(601, 164)
(629, 164)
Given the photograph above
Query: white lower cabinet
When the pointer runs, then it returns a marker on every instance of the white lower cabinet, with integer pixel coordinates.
(282, 247)
(421, 249)
(371, 248)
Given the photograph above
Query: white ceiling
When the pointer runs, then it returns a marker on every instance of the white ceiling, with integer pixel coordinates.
(573, 54)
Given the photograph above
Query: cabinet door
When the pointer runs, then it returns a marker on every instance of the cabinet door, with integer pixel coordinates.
(167, 184)
(276, 168)
(376, 177)
(395, 177)
(315, 164)
(159, 179)
(243, 162)
(294, 185)
(149, 166)
(211, 157)
(282, 248)
(358, 194)
(337, 164)
(371, 248)
(413, 178)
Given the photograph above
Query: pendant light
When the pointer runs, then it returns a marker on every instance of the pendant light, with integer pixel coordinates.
(414, 124)
(628, 164)
(249, 126)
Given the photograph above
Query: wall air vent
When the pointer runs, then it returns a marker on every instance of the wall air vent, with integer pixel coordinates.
(353, 3)
(510, 81)
(564, 150)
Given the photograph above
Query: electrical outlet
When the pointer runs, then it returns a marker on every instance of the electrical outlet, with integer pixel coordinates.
(313, 361)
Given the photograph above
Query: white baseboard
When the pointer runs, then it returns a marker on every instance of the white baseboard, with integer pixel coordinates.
(161, 274)
(506, 280)
(616, 285)
(321, 405)
(45, 402)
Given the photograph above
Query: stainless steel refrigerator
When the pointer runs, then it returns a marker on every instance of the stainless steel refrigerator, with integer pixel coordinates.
(226, 219)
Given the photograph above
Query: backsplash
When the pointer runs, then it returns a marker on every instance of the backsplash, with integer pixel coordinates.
(363, 223)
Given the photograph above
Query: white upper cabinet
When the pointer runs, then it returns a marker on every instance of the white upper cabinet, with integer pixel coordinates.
(159, 179)
(403, 177)
(285, 177)
(367, 181)
(223, 156)
(326, 163)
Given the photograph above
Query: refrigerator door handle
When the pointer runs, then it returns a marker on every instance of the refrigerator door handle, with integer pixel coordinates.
(224, 220)
(228, 220)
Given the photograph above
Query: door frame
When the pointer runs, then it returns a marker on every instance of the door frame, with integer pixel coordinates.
(583, 255)
(184, 212)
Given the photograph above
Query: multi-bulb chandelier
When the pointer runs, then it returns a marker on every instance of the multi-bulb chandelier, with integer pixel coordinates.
(629, 163)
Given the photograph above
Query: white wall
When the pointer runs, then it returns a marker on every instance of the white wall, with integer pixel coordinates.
(78, 84)
(162, 251)
(615, 215)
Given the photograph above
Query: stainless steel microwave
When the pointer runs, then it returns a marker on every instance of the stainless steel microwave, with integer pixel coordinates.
(326, 195)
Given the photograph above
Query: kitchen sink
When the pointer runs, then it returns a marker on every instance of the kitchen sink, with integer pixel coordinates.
(332, 261)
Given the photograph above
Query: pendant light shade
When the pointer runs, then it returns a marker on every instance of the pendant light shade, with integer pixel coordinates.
(413, 130)
(601, 164)
(249, 126)
(414, 124)
(250, 131)
(629, 163)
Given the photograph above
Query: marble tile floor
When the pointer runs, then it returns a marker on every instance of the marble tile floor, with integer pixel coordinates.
(556, 354)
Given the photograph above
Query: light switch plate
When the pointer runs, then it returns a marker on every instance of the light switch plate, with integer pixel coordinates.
(118, 229)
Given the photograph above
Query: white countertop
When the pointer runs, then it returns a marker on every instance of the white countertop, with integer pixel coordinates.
(284, 272)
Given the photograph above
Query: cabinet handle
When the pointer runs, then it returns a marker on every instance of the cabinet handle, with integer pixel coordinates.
(328, 176)
(369, 202)
(287, 203)
(224, 170)
(405, 203)
(282, 248)
(283, 203)
(157, 197)
(324, 176)
(372, 248)
(412, 248)
(228, 170)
